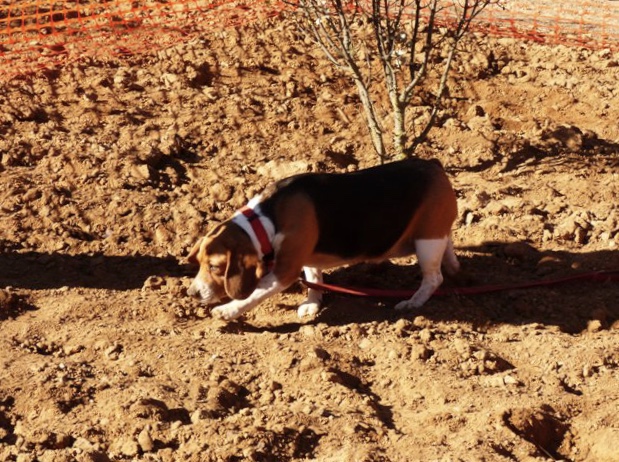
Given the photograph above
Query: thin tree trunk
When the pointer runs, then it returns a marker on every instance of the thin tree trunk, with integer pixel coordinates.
(376, 133)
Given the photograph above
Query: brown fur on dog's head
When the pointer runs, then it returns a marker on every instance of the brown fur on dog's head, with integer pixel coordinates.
(229, 263)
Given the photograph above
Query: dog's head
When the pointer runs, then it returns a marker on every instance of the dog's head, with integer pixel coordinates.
(229, 265)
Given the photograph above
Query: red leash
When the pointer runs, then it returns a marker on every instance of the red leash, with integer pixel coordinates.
(596, 276)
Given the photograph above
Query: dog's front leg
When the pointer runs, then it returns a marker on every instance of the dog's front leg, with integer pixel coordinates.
(267, 286)
(311, 306)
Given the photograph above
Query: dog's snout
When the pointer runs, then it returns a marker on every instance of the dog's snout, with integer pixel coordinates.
(202, 291)
(193, 291)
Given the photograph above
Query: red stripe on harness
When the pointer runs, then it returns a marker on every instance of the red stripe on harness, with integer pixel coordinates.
(268, 254)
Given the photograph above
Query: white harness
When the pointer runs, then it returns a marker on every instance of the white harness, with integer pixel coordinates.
(260, 229)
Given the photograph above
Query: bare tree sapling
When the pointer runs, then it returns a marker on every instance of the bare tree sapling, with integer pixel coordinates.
(399, 43)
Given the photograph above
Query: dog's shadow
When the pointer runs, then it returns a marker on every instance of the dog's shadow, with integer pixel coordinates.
(569, 306)
(37, 271)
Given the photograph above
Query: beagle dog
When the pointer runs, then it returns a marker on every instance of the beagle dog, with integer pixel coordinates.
(314, 221)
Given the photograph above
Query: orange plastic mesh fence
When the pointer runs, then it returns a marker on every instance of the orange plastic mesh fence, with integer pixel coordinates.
(40, 34)
(586, 23)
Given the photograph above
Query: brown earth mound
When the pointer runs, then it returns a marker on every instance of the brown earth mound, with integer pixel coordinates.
(111, 170)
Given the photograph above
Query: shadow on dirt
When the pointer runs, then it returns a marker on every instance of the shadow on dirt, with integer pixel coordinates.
(553, 146)
(33, 270)
(13, 304)
(562, 145)
(573, 307)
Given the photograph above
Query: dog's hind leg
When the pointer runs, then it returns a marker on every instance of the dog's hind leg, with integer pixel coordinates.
(430, 254)
(450, 264)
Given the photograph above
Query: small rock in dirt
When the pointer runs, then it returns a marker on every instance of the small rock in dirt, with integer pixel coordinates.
(402, 327)
(197, 392)
(421, 352)
(7, 299)
(224, 398)
(145, 441)
(320, 353)
(539, 427)
(476, 111)
(153, 283)
(141, 172)
(580, 236)
(494, 381)
(463, 348)
(92, 456)
(480, 124)
(426, 335)
(11, 304)
(343, 378)
(587, 371)
(481, 355)
(421, 321)
(595, 325)
(309, 363)
(307, 331)
(69, 350)
(520, 251)
(220, 192)
(330, 376)
(122, 77)
(198, 415)
(278, 169)
(162, 235)
(62, 441)
(604, 445)
(470, 218)
(129, 448)
(274, 386)
(113, 352)
(496, 208)
(83, 444)
(548, 264)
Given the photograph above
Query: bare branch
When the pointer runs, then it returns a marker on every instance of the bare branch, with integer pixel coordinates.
(408, 44)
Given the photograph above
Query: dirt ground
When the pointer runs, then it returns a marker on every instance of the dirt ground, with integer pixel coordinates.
(111, 170)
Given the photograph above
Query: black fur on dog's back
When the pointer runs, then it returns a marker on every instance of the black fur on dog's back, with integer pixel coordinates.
(363, 213)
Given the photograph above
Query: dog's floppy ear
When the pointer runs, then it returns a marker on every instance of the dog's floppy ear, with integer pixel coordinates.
(193, 254)
(241, 278)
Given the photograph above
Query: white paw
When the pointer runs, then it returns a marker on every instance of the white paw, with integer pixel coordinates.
(225, 312)
(308, 309)
(404, 305)
(409, 304)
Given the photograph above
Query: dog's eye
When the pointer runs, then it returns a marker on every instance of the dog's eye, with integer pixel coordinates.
(215, 269)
